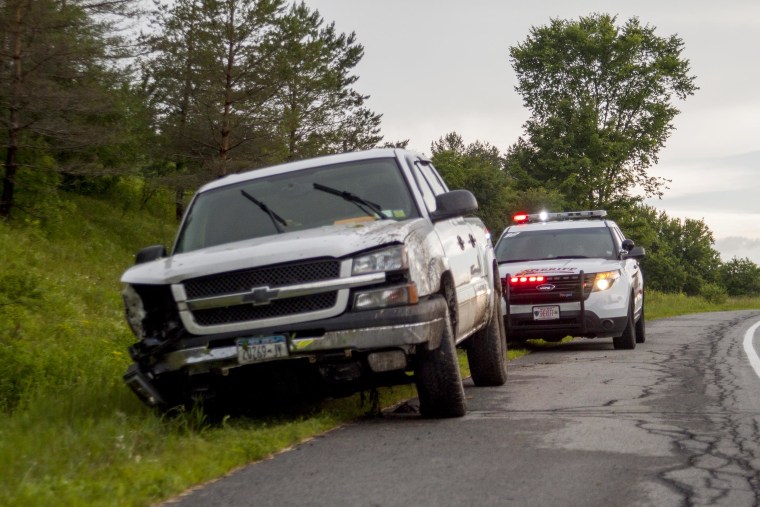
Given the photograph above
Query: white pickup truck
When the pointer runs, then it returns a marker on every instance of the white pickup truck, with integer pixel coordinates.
(334, 274)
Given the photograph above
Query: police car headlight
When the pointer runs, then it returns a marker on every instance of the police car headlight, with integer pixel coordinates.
(605, 280)
(387, 259)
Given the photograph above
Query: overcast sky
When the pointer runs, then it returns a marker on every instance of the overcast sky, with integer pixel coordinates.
(436, 66)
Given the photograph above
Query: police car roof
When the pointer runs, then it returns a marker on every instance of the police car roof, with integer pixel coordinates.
(558, 224)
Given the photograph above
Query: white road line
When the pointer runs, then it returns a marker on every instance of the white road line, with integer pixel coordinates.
(754, 360)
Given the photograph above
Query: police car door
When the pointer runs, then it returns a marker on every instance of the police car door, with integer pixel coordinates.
(632, 272)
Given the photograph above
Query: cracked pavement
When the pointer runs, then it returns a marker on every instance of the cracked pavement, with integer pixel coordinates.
(674, 422)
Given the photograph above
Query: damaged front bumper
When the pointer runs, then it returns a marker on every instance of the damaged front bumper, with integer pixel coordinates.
(396, 329)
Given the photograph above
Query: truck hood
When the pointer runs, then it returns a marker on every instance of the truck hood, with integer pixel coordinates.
(336, 241)
(558, 267)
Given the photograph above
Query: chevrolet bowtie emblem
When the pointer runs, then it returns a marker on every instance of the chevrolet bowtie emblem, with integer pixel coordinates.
(261, 296)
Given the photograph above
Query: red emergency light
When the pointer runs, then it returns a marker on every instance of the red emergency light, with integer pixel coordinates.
(522, 280)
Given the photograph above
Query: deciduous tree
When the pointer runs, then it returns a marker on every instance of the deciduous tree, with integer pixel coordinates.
(740, 277)
(478, 168)
(601, 98)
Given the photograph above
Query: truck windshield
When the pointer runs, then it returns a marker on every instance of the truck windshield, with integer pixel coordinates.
(592, 242)
(296, 201)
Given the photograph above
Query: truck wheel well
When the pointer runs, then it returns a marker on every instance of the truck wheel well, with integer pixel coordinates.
(449, 293)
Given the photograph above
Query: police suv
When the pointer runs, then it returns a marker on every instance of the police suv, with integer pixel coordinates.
(571, 274)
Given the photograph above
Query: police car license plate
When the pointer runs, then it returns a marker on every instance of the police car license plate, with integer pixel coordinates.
(265, 348)
(545, 312)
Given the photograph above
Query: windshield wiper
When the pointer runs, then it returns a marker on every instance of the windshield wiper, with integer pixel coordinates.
(276, 219)
(353, 198)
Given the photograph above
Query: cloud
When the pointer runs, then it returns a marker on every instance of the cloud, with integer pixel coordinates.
(739, 246)
(740, 200)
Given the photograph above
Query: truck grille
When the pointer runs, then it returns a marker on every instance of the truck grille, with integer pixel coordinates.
(277, 308)
(271, 276)
(566, 289)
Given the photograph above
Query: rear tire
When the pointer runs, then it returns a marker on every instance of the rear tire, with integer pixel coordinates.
(627, 341)
(487, 348)
(437, 377)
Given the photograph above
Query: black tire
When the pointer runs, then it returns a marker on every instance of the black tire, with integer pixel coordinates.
(641, 329)
(487, 349)
(627, 341)
(437, 377)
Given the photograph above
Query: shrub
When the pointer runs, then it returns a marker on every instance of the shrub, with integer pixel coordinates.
(713, 293)
(741, 277)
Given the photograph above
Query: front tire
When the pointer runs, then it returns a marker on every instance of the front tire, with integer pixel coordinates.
(641, 330)
(627, 341)
(487, 349)
(437, 377)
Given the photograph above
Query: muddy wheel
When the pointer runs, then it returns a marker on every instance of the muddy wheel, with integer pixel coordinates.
(438, 381)
(487, 349)
(628, 339)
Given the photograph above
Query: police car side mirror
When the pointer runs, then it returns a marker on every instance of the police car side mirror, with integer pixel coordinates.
(628, 244)
(636, 252)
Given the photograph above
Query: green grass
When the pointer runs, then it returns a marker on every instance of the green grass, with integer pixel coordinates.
(73, 434)
(660, 305)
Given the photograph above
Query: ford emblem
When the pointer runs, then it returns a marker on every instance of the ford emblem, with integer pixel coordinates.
(546, 287)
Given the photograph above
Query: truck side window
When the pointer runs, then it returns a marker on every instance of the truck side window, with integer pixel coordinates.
(427, 193)
(432, 178)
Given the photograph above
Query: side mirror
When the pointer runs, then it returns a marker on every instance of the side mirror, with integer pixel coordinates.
(628, 244)
(150, 253)
(454, 204)
(636, 252)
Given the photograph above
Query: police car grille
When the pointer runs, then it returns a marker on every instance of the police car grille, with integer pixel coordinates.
(566, 289)
(277, 308)
(235, 282)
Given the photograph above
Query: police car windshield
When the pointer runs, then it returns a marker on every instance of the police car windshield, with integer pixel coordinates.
(521, 246)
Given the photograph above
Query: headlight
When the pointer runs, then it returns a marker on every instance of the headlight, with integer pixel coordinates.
(605, 280)
(387, 259)
(385, 297)
(134, 309)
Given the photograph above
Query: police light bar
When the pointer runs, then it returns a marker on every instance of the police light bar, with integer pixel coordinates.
(567, 215)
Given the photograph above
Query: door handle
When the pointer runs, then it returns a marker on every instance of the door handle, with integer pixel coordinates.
(461, 242)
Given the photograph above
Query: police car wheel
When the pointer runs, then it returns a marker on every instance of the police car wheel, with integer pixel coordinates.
(627, 340)
(641, 332)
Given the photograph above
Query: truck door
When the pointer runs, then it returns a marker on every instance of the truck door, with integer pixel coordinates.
(456, 236)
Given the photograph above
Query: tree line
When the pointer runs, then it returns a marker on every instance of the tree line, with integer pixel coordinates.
(212, 87)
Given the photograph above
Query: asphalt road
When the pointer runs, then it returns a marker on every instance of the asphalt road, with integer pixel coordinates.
(674, 422)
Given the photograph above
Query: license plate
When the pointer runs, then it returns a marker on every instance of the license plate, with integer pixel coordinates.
(545, 312)
(265, 348)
